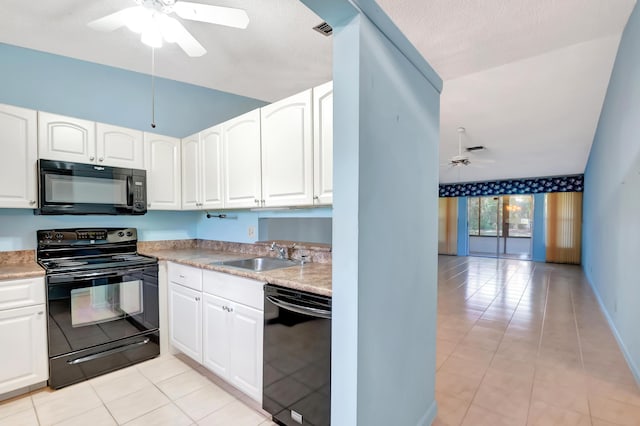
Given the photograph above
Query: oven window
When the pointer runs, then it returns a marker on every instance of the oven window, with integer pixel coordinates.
(94, 305)
(84, 189)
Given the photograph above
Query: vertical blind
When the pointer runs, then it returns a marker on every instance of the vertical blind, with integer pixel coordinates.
(564, 222)
(448, 225)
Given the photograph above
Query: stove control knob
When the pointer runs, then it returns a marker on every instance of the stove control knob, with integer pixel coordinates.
(120, 234)
(59, 236)
(47, 236)
(129, 233)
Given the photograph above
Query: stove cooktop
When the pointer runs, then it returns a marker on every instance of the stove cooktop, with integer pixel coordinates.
(95, 262)
(70, 250)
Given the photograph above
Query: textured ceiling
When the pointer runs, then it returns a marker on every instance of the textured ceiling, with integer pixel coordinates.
(277, 55)
(526, 78)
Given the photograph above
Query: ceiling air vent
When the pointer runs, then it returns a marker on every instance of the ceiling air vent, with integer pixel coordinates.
(324, 29)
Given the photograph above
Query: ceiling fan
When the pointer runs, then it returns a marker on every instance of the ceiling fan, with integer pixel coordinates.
(461, 160)
(151, 19)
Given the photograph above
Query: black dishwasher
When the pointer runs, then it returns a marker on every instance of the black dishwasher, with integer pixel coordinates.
(297, 357)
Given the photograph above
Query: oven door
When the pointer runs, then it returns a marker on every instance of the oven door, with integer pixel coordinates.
(75, 188)
(100, 321)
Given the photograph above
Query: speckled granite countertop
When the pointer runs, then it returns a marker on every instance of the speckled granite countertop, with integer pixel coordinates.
(15, 265)
(311, 277)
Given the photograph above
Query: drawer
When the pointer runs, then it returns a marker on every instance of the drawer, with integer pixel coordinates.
(187, 276)
(19, 293)
(237, 289)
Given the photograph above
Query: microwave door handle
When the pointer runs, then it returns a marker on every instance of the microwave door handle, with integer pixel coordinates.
(130, 191)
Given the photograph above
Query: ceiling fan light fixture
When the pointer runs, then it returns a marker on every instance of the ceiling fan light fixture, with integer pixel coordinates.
(151, 35)
(169, 27)
(138, 19)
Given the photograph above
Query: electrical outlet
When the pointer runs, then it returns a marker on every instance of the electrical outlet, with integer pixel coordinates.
(251, 232)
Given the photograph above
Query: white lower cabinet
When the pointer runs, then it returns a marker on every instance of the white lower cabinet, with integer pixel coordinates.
(217, 319)
(233, 343)
(185, 320)
(23, 333)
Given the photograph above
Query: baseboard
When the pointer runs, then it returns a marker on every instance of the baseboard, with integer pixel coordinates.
(428, 417)
(632, 366)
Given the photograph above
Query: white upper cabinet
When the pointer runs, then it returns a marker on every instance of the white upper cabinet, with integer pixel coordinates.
(323, 144)
(287, 151)
(162, 162)
(202, 170)
(72, 139)
(66, 138)
(119, 146)
(241, 161)
(18, 143)
(190, 172)
(211, 177)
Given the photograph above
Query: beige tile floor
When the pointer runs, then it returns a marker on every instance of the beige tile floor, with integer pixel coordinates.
(519, 343)
(524, 343)
(162, 392)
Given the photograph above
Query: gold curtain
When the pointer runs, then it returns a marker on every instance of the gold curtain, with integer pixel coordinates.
(563, 219)
(448, 225)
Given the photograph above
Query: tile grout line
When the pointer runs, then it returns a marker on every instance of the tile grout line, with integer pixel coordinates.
(575, 322)
(547, 282)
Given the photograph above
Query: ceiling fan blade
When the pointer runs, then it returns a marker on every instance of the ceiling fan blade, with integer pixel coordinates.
(228, 16)
(178, 33)
(113, 21)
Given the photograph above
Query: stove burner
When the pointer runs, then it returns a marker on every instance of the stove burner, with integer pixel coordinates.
(69, 263)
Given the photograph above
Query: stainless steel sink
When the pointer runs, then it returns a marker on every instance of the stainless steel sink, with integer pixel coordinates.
(259, 264)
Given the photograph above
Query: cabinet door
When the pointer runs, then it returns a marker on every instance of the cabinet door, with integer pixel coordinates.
(246, 350)
(18, 144)
(323, 144)
(287, 157)
(211, 188)
(185, 320)
(216, 334)
(241, 151)
(119, 146)
(66, 138)
(162, 162)
(191, 173)
(24, 357)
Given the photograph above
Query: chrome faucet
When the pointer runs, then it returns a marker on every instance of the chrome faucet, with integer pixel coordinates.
(283, 252)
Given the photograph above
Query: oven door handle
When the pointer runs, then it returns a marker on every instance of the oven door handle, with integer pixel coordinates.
(107, 352)
(66, 278)
(304, 310)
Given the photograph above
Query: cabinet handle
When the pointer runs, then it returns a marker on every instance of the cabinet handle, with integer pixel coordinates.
(92, 158)
(197, 299)
(32, 202)
(315, 197)
(181, 276)
(230, 309)
(100, 159)
(41, 312)
(262, 203)
(256, 201)
(149, 205)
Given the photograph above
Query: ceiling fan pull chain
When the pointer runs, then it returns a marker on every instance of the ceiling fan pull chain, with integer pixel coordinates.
(153, 88)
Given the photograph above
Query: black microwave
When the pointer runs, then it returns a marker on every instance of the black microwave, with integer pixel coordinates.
(76, 188)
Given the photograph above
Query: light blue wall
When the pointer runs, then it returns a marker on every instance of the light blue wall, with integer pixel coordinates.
(539, 231)
(18, 226)
(235, 227)
(386, 118)
(67, 86)
(62, 85)
(463, 226)
(611, 203)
